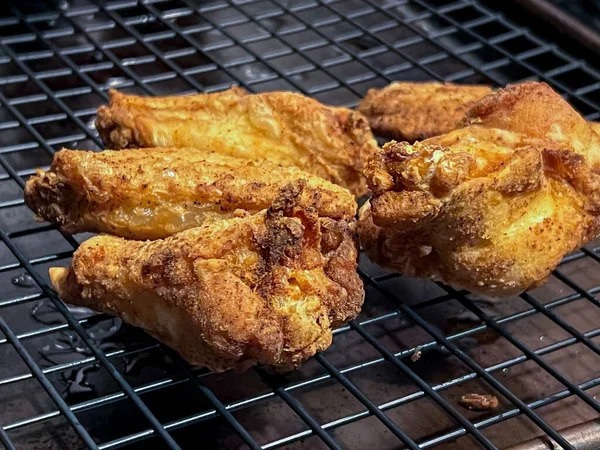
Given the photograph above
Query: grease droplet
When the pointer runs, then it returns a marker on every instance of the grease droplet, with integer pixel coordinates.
(78, 386)
(23, 280)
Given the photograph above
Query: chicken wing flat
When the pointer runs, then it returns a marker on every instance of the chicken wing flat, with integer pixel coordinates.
(491, 207)
(282, 127)
(154, 193)
(265, 289)
(415, 111)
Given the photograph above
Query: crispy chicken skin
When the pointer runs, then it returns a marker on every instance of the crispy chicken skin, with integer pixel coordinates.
(491, 207)
(282, 127)
(154, 193)
(415, 111)
(265, 289)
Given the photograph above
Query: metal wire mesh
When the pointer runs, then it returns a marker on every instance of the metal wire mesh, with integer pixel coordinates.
(73, 379)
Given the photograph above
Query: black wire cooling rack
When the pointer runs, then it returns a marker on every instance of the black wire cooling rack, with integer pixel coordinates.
(392, 379)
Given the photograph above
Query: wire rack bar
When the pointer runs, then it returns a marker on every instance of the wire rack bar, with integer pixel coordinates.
(441, 54)
(522, 347)
(371, 407)
(310, 421)
(406, 353)
(209, 394)
(556, 319)
(296, 407)
(512, 413)
(446, 385)
(217, 404)
(418, 31)
(149, 46)
(43, 380)
(473, 365)
(194, 44)
(76, 326)
(424, 386)
(164, 14)
(566, 280)
(75, 70)
(22, 299)
(91, 361)
(29, 128)
(403, 354)
(44, 87)
(6, 441)
(255, 54)
(295, 48)
(105, 400)
(445, 437)
(541, 75)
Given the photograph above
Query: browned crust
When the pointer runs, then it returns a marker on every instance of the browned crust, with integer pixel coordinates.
(492, 207)
(415, 111)
(535, 110)
(282, 127)
(265, 289)
(154, 193)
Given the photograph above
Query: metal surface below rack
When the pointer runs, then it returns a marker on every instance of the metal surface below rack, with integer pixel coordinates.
(70, 378)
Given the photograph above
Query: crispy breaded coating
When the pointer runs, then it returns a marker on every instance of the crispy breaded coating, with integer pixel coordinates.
(415, 111)
(265, 289)
(492, 207)
(154, 193)
(282, 127)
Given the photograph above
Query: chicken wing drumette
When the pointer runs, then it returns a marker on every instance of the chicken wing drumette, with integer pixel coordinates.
(154, 193)
(491, 207)
(282, 127)
(264, 289)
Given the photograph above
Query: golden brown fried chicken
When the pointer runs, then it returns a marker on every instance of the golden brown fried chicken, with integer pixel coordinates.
(264, 289)
(282, 127)
(154, 193)
(414, 111)
(494, 206)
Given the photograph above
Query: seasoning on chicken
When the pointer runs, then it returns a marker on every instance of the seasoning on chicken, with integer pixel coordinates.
(491, 207)
(282, 127)
(415, 111)
(265, 289)
(154, 193)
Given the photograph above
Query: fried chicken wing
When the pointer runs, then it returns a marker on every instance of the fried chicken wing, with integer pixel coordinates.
(491, 207)
(265, 289)
(282, 127)
(154, 193)
(414, 111)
